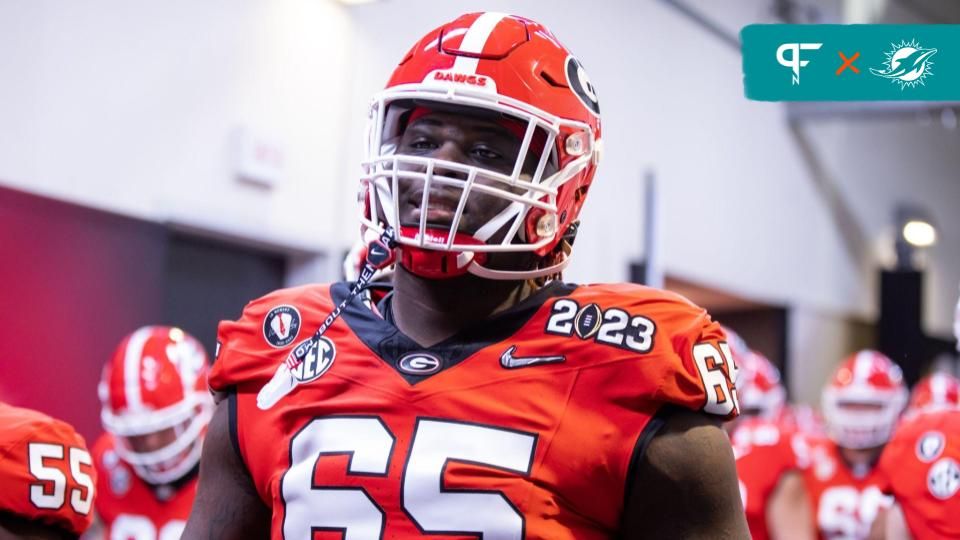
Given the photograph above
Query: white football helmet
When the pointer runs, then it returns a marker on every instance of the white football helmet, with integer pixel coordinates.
(863, 400)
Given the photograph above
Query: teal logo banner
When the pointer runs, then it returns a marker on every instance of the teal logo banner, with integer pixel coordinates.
(862, 62)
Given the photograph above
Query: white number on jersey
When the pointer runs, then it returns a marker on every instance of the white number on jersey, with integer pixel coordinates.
(38, 454)
(370, 444)
(845, 513)
(133, 527)
(721, 396)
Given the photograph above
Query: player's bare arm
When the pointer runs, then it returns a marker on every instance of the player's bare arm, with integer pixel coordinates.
(227, 505)
(14, 527)
(788, 514)
(686, 484)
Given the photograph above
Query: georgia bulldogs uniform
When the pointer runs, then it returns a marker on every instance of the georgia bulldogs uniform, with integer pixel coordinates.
(765, 451)
(920, 467)
(525, 427)
(155, 408)
(844, 501)
(132, 509)
(46, 472)
(861, 403)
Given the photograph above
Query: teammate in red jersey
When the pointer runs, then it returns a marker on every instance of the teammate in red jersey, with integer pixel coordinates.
(769, 453)
(861, 406)
(937, 391)
(483, 397)
(46, 477)
(921, 469)
(921, 465)
(155, 409)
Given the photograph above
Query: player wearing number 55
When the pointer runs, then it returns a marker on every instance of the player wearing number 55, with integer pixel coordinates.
(47, 477)
(484, 396)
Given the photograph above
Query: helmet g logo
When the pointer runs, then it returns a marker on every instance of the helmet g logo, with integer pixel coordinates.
(579, 82)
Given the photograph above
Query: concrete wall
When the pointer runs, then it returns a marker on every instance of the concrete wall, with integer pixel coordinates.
(129, 106)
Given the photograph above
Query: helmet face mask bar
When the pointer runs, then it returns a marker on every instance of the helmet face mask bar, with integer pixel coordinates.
(155, 402)
(386, 171)
(510, 72)
(182, 424)
(863, 401)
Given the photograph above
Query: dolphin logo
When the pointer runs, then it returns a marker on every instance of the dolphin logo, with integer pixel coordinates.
(907, 64)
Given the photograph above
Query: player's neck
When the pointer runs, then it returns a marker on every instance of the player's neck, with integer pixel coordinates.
(431, 310)
(860, 460)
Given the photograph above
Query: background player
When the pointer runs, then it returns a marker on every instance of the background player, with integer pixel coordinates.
(554, 418)
(770, 453)
(937, 391)
(921, 465)
(46, 477)
(861, 403)
(155, 409)
(921, 469)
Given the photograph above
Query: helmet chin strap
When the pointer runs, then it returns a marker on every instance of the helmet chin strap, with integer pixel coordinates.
(489, 273)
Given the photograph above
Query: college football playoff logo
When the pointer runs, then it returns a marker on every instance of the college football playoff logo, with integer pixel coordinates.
(281, 326)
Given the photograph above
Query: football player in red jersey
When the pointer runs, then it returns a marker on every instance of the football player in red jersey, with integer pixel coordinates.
(483, 397)
(921, 465)
(769, 454)
(47, 477)
(937, 391)
(155, 409)
(861, 405)
(921, 469)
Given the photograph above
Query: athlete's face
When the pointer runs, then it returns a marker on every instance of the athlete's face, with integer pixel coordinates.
(480, 141)
(151, 442)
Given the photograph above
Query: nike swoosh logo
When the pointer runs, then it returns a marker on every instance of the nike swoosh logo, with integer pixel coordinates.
(509, 361)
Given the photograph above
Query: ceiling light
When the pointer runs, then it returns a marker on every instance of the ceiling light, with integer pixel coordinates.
(919, 233)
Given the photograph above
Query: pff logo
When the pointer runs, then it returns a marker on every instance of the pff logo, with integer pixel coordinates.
(794, 62)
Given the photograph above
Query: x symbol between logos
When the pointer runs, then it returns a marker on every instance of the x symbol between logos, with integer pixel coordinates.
(848, 62)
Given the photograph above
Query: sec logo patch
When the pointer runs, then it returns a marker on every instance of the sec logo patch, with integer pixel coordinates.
(943, 479)
(317, 355)
(281, 326)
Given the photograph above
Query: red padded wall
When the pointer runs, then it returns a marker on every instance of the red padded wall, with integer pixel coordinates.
(73, 282)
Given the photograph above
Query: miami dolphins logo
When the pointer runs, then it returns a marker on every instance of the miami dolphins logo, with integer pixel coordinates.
(907, 64)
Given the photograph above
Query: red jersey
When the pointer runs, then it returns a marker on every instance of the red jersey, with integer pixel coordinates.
(45, 470)
(920, 467)
(132, 509)
(844, 502)
(764, 452)
(523, 427)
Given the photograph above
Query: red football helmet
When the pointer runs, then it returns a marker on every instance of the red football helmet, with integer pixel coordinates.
(935, 392)
(863, 400)
(738, 346)
(759, 387)
(155, 402)
(511, 70)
